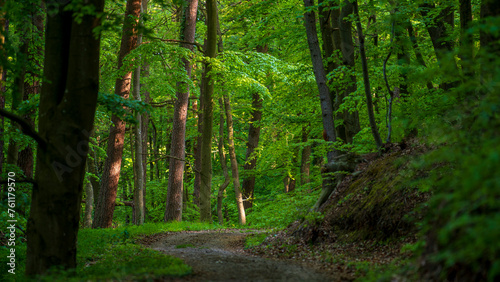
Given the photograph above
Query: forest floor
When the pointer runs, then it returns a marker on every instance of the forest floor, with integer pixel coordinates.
(220, 256)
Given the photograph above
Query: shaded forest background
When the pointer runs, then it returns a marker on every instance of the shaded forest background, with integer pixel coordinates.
(252, 113)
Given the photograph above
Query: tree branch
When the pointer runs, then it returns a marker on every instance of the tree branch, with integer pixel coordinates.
(25, 127)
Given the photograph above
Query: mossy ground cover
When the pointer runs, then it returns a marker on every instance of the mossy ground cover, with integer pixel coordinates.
(366, 223)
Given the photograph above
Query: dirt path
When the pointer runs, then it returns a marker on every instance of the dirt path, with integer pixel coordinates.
(219, 256)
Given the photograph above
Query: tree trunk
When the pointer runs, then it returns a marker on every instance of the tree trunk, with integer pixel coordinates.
(139, 157)
(350, 126)
(366, 79)
(66, 114)
(248, 185)
(319, 73)
(173, 211)
(111, 174)
(234, 162)
(439, 37)
(223, 164)
(32, 87)
(89, 205)
(324, 92)
(206, 138)
(197, 151)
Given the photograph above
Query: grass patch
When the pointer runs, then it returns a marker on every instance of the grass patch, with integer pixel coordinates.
(111, 254)
(255, 240)
(183, 246)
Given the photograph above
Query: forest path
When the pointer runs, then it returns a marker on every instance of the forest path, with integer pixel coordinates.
(219, 256)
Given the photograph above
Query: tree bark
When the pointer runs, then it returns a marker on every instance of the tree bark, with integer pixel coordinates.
(234, 162)
(111, 174)
(206, 138)
(442, 46)
(248, 185)
(319, 73)
(223, 163)
(350, 126)
(89, 205)
(139, 157)
(66, 114)
(366, 79)
(173, 211)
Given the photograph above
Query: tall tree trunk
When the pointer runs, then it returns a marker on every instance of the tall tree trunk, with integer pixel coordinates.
(248, 185)
(324, 94)
(206, 138)
(66, 114)
(366, 79)
(111, 174)
(350, 126)
(234, 162)
(173, 209)
(223, 163)
(197, 150)
(319, 73)
(31, 88)
(139, 157)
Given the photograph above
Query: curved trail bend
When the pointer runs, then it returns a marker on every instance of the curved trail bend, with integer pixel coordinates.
(219, 256)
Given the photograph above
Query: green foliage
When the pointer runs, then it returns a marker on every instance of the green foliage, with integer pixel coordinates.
(279, 210)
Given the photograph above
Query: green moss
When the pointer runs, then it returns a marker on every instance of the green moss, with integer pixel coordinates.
(374, 205)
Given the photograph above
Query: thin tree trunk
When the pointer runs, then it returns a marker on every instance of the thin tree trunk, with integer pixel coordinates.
(31, 88)
(89, 205)
(319, 73)
(138, 162)
(206, 138)
(366, 79)
(173, 211)
(67, 107)
(324, 93)
(223, 163)
(111, 174)
(248, 185)
(234, 162)
(350, 126)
